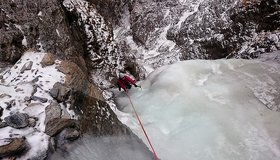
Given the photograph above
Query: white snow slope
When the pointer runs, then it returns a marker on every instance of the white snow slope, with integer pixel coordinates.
(209, 110)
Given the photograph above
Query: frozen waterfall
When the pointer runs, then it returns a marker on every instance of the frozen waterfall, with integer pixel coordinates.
(203, 110)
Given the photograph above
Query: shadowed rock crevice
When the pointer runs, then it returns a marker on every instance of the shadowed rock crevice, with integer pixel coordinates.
(96, 116)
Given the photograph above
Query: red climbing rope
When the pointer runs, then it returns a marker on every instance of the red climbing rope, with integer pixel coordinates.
(154, 152)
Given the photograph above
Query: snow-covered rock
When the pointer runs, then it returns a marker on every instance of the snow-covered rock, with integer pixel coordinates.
(25, 94)
(164, 32)
(40, 101)
(103, 56)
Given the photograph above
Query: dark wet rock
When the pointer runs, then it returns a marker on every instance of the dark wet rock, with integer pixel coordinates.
(26, 66)
(1, 111)
(10, 104)
(53, 111)
(48, 59)
(35, 98)
(3, 124)
(59, 92)
(18, 120)
(14, 147)
(56, 125)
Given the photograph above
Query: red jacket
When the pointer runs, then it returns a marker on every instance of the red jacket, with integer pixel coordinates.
(125, 82)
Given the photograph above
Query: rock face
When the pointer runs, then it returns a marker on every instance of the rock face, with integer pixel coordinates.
(256, 22)
(15, 146)
(172, 30)
(42, 25)
(111, 10)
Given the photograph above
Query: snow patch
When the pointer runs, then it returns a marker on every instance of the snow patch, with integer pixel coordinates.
(25, 79)
(24, 41)
(40, 13)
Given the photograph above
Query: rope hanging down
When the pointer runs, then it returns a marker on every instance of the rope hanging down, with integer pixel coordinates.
(154, 152)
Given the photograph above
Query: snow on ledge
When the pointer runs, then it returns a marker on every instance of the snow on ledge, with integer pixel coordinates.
(26, 78)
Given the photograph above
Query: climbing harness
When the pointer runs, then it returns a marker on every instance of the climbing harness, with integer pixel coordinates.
(138, 118)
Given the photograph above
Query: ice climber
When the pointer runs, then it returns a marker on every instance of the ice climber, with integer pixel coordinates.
(125, 82)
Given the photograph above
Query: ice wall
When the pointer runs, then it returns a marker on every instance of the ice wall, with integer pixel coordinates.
(203, 110)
